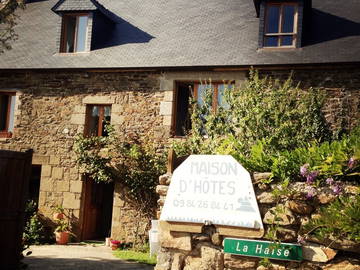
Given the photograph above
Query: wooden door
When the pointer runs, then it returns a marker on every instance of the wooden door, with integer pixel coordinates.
(15, 168)
(98, 199)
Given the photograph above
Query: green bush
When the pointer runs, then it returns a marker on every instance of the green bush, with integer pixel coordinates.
(34, 230)
(339, 220)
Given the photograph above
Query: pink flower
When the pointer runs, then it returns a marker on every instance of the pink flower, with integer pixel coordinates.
(311, 177)
(330, 181)
(337, 189)
(351, 163)
(301, 240)
(304, 170)
(311, 193)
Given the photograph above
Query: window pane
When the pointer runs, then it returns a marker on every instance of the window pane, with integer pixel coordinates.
(202, 91)
(222, 88)
(94, 121)
(271, 41)
(70, 25)
(81, 33)
(272, 19)
(11, 116)
(287, 41)
(106, 120)
(288, 19)
(4, 103)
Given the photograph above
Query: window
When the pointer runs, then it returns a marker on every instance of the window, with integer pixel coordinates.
(74, 33)
(7, 108)
(97, 116)
(280, 25)
(181, 119)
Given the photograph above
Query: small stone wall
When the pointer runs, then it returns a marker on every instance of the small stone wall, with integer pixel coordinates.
(204, 251)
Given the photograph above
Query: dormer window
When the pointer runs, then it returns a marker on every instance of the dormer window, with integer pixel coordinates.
(74, 33)
(280, 25)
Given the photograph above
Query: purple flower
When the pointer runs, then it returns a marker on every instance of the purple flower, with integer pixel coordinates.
(311, 177)
(301, 239)
(330, 181)
(351, 163)
(336, 188)
(304, 169)
(311, 192)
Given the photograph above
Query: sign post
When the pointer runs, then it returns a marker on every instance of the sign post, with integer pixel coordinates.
(263, 249)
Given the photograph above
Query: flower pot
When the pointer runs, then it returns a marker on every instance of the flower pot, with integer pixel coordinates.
(114, 246)
(58, 216)
(62, 238)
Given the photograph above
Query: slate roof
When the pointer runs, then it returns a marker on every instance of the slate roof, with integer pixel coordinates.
(71, 5)
(186, 33)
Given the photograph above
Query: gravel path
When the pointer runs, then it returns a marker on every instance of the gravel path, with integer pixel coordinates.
(76, 257)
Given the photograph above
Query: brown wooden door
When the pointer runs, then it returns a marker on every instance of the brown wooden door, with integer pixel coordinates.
(15, 168)
(98, 199)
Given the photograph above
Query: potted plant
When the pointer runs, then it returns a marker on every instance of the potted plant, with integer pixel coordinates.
(62, 232)
(115, 244)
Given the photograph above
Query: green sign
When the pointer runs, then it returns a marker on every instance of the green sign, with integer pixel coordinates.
(263, 249)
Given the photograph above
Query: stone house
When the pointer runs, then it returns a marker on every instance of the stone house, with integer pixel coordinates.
(77, 63)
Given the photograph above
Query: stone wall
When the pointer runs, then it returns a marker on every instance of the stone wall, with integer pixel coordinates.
(204, 251)
(50, 111)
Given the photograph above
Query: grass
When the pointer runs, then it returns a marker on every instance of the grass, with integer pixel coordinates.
(135, 256)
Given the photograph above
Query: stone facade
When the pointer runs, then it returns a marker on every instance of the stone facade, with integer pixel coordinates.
(204, 251)
(51, 105)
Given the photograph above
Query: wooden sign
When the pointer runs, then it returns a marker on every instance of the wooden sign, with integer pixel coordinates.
(212, 189)
(263, 249)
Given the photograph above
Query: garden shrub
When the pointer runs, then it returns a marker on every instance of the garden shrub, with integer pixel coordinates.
(34, 233)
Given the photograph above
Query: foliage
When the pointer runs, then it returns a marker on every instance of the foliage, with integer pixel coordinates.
(133, 162)
(278, 114)
(8, 22)
(339, 220)
(34, 230)
(141, 256)
(63, 223)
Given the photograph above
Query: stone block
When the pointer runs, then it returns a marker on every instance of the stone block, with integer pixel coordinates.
(167, 120)
(240, 262)
(165, 179)
(178, 261)
(117, 119)
(165, 108)
(300, 207)
(76, 186)
(62, 186)
(117, 108)
(40, 160)
(279, 215)
(178, 240)
(77, 119)
(70, 201)
(168, 96)
(98, 100)
(317, 253)
(261, 176)
(57, 173)
(266, 197)
(47, 184)
(162, 190)
(163, 260)
(46, 171)
(347, 264)
(81, 109)
(54, 160)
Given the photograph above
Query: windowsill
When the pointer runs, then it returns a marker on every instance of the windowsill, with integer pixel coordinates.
(278, 49)
(72, 54)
